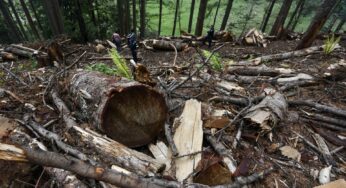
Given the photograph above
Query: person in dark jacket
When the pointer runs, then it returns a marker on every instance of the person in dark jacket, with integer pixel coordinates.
(116, 39)
(132, 43)
(209, 36)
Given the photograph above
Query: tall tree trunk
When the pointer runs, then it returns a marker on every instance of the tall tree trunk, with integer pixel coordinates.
(296, 19)
(160, 18)
(267, 15)
(120, 18)
(14, 11)
(294, 14)
(134, 17)
(54, 16)
(200, 18)
(142, 18)
(81, 22)
(341, 23)
(91, 12)
(29, 18)
(317, 23)
(175, 16)
(278, 26)
(247, 18)
(32, 6)
(217, 10)
(331, 23)
(15, 34)
(127, 20)
(226, 16)
(192, 9)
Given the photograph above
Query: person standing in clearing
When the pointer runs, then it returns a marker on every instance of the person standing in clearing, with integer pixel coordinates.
(132, 43)
(116, 39)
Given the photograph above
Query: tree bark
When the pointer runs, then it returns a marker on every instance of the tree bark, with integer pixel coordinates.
(317, 23)
(296, 19)
(226, 16)
(120, 17)
(160, 19)
(91, 12)
(29, 18)
(54, 16)
(175, 16)
(134, 17)
(81, 22)
(342, 22)
(331, 23)
(192, 9)
(127, 111)
(36, 15)
(18, 20)
(142, 18)
(200, 18)
(217, 11)
(267, 15)
(278, 27)
(294, 14)
(15, 34)
(127, 20)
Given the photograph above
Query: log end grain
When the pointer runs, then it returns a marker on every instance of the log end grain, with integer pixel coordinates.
(134, 115)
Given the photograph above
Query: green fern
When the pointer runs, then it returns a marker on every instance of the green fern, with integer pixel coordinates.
(122, 68)
(330, 43)
(215, 60)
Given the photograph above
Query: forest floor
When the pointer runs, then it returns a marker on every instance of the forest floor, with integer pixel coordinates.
(255, 151)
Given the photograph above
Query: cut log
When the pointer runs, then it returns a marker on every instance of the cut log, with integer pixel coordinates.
(259, 71)
(286, 55)
(119, 154)
(125, 110)
(188, 138)
(167, 45)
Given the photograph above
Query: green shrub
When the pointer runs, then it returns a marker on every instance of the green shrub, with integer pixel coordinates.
(101, 67)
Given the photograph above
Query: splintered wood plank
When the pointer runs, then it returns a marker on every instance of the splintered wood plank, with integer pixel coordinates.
(188, 138)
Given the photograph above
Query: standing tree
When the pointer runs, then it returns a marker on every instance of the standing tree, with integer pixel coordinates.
(120, 17)
(278, 26)
(80, 19)
(134, 17)
(296, 18)
(295, 14)
(18, 20)
(175, 17)
(127, 16)
(267, 15)
(142, 18)
(32, 6)
(317, 23)
(226, 16)
(160, 18)
(192, 9)
(217, 10)
(331, 24)
(29, 18)
(200, 18)
(341, 23)
(15, 34)
(54, 16)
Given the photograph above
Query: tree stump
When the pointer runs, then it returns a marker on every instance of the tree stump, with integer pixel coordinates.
(125, 110)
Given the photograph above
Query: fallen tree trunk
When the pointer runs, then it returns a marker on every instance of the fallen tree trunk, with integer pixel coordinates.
(125, 110)
(167, 45)
(258, 71)
(281, 56)
(23, 51)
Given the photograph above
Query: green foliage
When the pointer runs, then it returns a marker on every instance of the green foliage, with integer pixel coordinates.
(101, 67)
(122, 68)
(330, 44)
(215, 60)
